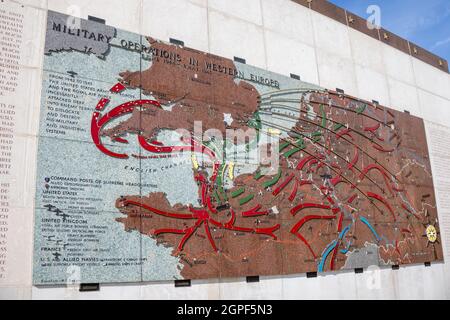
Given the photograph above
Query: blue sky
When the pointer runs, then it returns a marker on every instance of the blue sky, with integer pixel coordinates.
(424, 22)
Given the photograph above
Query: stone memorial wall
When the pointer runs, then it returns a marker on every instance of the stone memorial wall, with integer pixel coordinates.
(90, 191)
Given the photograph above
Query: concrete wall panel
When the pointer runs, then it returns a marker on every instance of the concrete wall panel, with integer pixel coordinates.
(249, 10)
(125, 15)
(286, 56)
(178, 19)
(289, 19)
(242, 39)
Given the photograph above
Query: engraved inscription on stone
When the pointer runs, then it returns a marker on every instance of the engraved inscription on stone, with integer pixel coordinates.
(440, 151)
(11, 28)
(69, 33)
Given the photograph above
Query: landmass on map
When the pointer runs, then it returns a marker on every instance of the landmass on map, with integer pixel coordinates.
(202, 92)
(354, 185)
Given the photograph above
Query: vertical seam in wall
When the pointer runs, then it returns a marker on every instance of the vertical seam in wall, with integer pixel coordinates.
(255, 25)
(356, 288)
(352, 58)
(311, 20)
(415, 81)
(264, 35)
(355, 63)
(386, 77)
(141, 19)
(207, 26)
(416, 87)
(33, 172)
(380, 45)
(395, 284)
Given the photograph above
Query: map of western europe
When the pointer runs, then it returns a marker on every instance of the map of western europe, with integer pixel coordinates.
(160, 162)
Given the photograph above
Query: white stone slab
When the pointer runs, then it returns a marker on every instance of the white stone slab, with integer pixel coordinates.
(431, 79)
(286, 56)
(23, 103)
(410, 282)
(447, 280)
(397, 64)
(199, 289)
(21, 170)
(419, 282)
(249, 10)
(178, 19)
(126, 15)
(230, 37)
(366, 51)
(15, 293)
(268, 288)
(29, 32)
(331, 35)
(289, 19)
(340, 286)
(434, 108)
(336, 72)
(376, 283)
(17, 185)
(372, 85)
(18, 256)
(403, 97)
(434, 282)
(155, 291)
(71, 292)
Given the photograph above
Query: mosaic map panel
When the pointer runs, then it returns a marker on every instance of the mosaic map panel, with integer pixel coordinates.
(161, 162)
